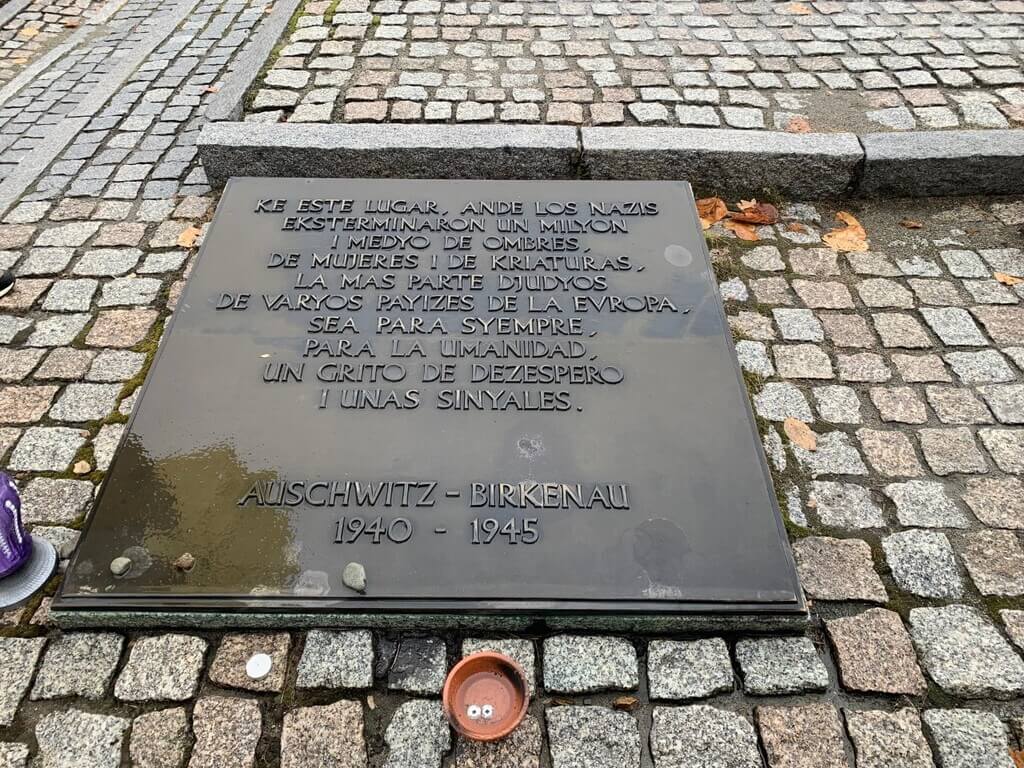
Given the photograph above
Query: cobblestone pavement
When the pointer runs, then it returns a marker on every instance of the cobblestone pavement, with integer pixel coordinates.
(907, 361)
(36, 28)
(816, 65)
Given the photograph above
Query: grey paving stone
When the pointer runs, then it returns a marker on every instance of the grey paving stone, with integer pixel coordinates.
(1006, 401)
(418, 736)
(11, 327)
(920, 368)
(57, 331)
(330, 736)
(780, 665)
(898, 330)
(847, 330)
(963, 263)
(78, 664)
(520, 749)
(336, 660)
(834, 455)
(845, 505)
(764, 258)
(984, 367)
(583, 664)
(798, 325)
(1006, 446)
(880, 292)
(71, 235)
(998, 502)
(875, 654)
(888, 739)
(966, 738)
(953, 326)
(13, 755)
(160, 739)
(115, 365)
(802, 737)
(105, 444)
(922, 563)
(63, 539)
(517, 649)
(995, 561)
(46, 449)
(227, 731)
(129, 291)
(70, 295)
(65, 363)
(50, 500)
(44, 261)
(753, 357)
(81, 739)
(751, 325)
(838, 569)
(18, 657)
(86, 402)
(695, 669)
(700, 736)
(925, 504)
(419, 666)
(951, 450)
(107, 262)
(592, 737)
(965, 654)
(228, 667)
(838, 404)
(778, 401)
(161, 667)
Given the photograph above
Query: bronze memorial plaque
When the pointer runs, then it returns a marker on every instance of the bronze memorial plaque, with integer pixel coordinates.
(495, 396)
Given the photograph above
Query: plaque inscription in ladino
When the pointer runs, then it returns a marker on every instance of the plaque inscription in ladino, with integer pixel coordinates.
(509, 395)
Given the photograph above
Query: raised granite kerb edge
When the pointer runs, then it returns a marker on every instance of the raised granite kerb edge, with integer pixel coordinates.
(724, 161)
(388, 151)
(926, 163)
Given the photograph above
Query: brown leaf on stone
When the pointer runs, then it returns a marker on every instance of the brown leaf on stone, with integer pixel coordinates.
(852, 237)
(1006, 279)
(27, 33)
(187, 239)
(800, 434)
(711, 210)
(753, 212)
(798, 124)
(1017, 755)
(742, 231)
(795, 226)
(911, 224)
(213, 89)
(799, 9)
(626, 703)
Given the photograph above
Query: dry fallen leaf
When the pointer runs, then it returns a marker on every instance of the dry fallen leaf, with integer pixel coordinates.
(753, 212)
(795, 226)
(798, 125)
(27, 33)
(187, 239)
(626, 703)
(1006, 279)
(213, 89)
(852, 237)
(711, 210)
(1017, 756)
(911, 224)
(799, 9)
(72, 23)
(742, 231)
(800, 434)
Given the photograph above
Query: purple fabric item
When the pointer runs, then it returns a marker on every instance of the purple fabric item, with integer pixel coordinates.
(15, 544)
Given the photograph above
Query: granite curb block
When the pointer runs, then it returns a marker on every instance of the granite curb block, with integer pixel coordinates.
(228, 103)
(387, 151)
(925, 163)
(721, 161)
(805, 166)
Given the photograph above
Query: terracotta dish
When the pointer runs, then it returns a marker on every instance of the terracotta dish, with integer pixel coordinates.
(485, 696)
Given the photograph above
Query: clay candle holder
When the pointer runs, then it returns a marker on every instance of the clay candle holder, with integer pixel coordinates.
(485, 696)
